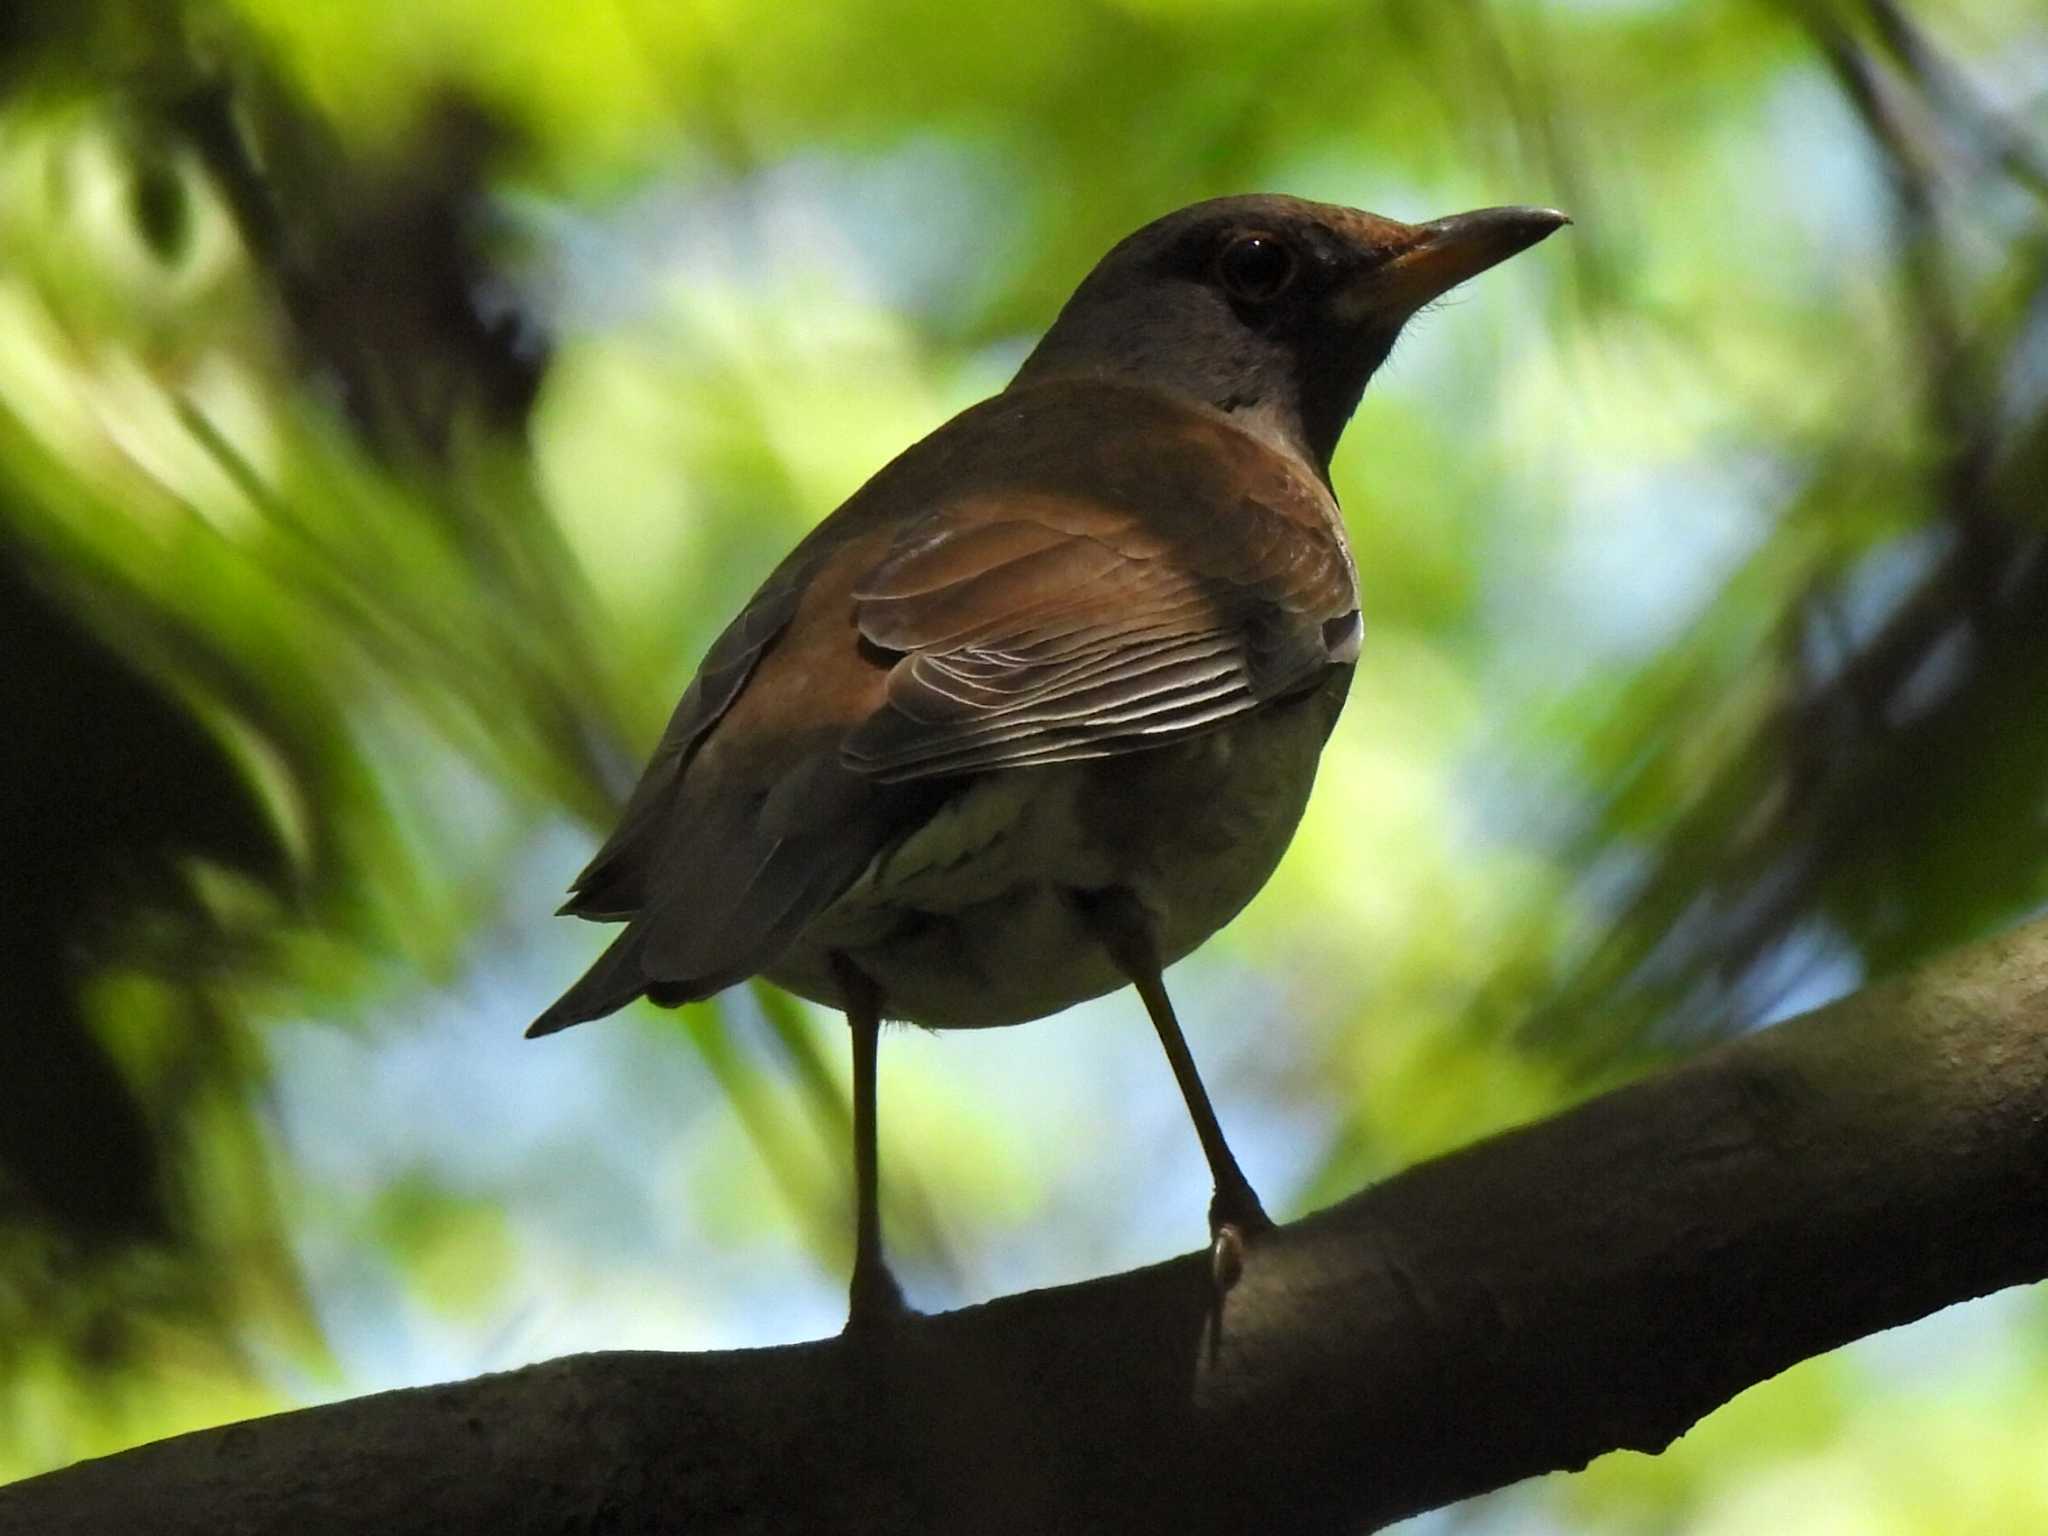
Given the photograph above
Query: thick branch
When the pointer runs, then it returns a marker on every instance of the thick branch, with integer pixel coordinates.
(1599, 1280)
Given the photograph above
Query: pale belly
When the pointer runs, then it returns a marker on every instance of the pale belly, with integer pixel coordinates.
(970, 921)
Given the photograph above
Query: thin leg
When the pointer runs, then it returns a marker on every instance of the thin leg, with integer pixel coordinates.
(1235, 1215)
(873, 1298)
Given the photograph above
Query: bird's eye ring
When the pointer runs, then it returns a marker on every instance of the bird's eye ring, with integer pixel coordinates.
(1256, 268)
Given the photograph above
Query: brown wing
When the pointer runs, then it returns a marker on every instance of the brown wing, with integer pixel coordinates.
(746, 823)
(1047, 628)
(613, 884)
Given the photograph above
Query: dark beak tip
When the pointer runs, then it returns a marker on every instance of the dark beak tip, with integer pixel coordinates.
(1468, 243)
(1524, 226)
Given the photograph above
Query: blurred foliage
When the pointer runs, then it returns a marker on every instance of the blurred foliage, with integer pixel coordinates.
(395, 398)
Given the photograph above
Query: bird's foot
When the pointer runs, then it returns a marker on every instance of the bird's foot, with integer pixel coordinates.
(874, 1300)
(1236, 1220)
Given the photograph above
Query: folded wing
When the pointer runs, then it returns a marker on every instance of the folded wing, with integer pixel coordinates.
(1060, 629)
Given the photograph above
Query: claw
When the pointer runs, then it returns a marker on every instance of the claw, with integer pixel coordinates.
(1236, 1220)
(1226, 1259)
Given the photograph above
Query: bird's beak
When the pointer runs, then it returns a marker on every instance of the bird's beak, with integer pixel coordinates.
(1431, 259)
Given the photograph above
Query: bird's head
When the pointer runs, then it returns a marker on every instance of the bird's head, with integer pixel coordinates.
(1270, 308)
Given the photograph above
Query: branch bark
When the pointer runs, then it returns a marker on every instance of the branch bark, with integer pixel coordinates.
(1596, 1281)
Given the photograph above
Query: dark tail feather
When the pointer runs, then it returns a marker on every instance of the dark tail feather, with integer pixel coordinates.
(614, 981)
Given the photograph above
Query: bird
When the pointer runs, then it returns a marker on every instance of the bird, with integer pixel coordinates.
(1037, 709)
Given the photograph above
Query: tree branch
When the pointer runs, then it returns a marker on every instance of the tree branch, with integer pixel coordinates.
(1596, 1281)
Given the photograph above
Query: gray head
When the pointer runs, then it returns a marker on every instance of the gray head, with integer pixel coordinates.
(1269, 307)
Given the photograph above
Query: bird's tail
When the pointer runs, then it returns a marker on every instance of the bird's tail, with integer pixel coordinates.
(616, 979)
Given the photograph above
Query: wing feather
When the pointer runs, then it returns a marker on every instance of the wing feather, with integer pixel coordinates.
(1058, 630)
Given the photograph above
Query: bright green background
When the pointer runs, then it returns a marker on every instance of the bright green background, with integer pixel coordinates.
(1634, 755)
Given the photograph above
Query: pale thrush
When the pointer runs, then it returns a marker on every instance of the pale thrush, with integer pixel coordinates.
(1037, 710)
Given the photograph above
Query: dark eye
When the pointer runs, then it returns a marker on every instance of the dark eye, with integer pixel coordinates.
(1255, 267)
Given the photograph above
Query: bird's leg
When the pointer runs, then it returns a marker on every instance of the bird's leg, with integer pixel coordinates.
(1124, 929)
(873, 1298)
